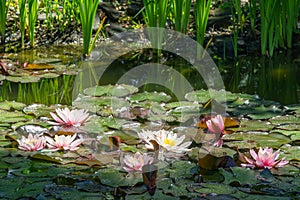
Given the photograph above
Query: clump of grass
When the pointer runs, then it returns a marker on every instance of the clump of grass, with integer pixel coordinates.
(181, 14)
(3, 15)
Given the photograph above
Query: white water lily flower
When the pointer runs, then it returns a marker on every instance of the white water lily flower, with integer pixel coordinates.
(136, 162)
(69, 118)
(32, 143)
(166, 139)
(171, 142)
(62, 142)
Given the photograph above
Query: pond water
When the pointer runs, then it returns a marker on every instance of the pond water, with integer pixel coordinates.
(274, 78)
(119, 112)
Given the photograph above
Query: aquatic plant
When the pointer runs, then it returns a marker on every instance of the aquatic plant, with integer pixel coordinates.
(88, 10)
(3, 15)
(22, 20)
(171, 142)
(155, 15)
(32, 143)
(136, 162)
(168, 140)
(66, 117)
(62, 142)
(32, 17)
(181, 13)
(216, 125)
(201, 10)
(265, 158)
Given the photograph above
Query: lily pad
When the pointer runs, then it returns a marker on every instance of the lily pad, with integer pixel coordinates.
(8, 105)
(111, 90)
(151, 96)
(114, 178)
(38, 66)
(37, 110)
(273, 140)
(287, 119)
(253, 125)
(12, 117)
(215, 188)
(243, 176)
(23, 79)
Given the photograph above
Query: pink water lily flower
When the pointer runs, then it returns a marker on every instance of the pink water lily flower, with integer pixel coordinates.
(32, 143)
(62, 142)
(216, 124)
(69, 118)
(265, 158)
(135, 162)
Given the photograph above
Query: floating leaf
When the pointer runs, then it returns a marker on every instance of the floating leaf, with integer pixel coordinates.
(23, 79)
(243, 176)
(111, 90)
(38, 110)
(151, 96)
(112, 177)
(9, 105)
(215, 188)
(38, 66)
(11, 117)
(273, 140)
(287, 119)
(253, 125)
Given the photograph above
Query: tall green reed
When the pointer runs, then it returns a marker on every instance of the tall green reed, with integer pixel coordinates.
(237, 23)
(22, 20)
(202, 9)
(3, 15)
(88, 10)
(155, 15)
(32, 17)
(181, 14)
(252, 14)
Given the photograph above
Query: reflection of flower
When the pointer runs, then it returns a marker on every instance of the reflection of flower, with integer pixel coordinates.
(62, 142)
(32, 143)
(69, 118)
(166, 139)
(265, 158)
(136, 162)
(216, 125)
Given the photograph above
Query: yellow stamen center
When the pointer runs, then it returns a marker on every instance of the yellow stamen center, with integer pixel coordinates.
(169, 142)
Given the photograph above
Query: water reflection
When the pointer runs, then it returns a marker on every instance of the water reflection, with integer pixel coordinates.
(274, 78)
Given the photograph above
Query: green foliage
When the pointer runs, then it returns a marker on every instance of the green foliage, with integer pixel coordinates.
(22, 20)
(32, 17)
(202, 9)
(181, 13)
(88, 10)
(3, 14)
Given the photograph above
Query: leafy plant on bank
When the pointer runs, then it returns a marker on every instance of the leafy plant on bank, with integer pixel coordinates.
(181, 14)
(202, 9)
(22, 20)
(88, 10)
(32, 17)
(3, 15)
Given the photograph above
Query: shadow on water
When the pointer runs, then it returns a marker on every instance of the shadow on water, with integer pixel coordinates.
(271, 78)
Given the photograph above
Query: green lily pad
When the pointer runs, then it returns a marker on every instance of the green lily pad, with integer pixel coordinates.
(48, 75)
(12, 117)
(273, 140)
(286, 132)
(290, 127)
(263, 112)
(23, 79)
(201, 96)
(215, 188)
(182, 169)
(151, 96)
(287, 119)
(2, 77)
(112, 177)
(243, 176)
(8, 105)
(111, 90)
(176, 104)
(291, 152)
(253, 125)
(37, 110)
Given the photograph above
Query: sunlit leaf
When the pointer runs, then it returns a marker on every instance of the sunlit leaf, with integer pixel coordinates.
(38, 66)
